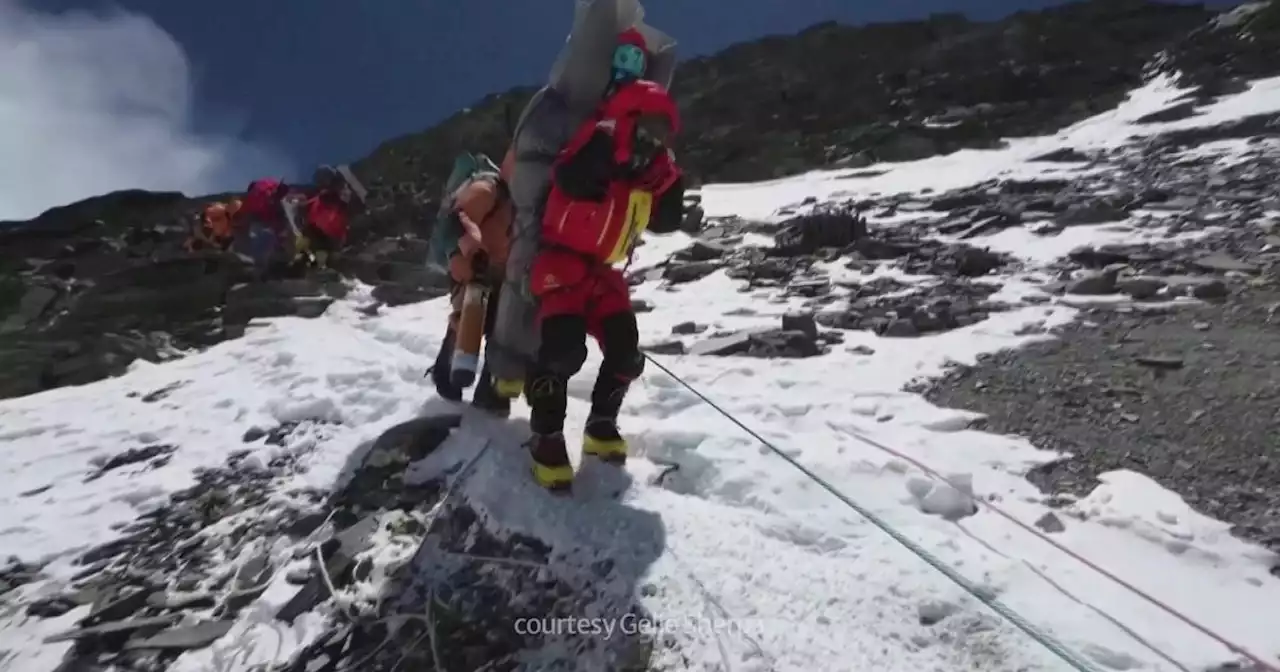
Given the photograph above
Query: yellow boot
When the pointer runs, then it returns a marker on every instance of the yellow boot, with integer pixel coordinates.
(551, 467)
(602, 441)
(508, 388)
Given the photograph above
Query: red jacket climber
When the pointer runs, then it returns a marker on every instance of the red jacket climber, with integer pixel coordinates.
(615, 179)
(324, 218)
(321, 213)
(262, 203)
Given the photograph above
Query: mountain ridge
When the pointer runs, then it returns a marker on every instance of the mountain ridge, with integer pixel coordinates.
(922, 88)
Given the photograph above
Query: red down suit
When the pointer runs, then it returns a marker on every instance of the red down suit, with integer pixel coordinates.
(596, 211)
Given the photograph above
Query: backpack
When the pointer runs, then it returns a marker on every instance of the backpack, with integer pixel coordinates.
(262, 198)
(467, 167)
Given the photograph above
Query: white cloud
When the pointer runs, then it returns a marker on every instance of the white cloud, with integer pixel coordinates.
(95, 102)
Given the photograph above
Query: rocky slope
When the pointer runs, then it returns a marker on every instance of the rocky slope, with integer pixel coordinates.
(88, 288)
(1183, 393)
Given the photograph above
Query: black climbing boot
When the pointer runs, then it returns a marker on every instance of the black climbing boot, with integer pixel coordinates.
(440, 370)
(487, 399)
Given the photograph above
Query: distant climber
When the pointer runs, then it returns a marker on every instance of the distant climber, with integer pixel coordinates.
(261, 226)
(325, 215)
(616, 179)
(213, 229)
(471, 241)
(608, 45)
(279, 226)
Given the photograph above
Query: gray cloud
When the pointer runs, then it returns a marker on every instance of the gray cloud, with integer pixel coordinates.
(95, 102)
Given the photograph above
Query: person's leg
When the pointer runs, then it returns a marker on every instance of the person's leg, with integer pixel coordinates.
(486, 398)
(318, 244)
(614, 326)
(262, 245)
(265, 244)
(560, 355)
(255, 248)
(623, 362)
(491, 310)
(441, 369)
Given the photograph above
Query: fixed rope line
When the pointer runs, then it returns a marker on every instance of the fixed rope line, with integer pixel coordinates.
(1262, 665)
(1044, 638)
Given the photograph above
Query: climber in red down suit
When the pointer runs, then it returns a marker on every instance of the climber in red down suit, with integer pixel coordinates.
(615, 179)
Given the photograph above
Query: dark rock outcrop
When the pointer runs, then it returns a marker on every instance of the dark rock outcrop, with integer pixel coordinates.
(88, 288)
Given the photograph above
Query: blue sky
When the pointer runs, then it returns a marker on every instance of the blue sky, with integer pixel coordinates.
(287, 84)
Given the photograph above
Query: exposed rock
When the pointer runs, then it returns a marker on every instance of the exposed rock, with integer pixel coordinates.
(34, 303)
(51, 607)
(764, 343)
(686, 328)
(972, 262)
(1200, 287)
(1224, 263)
(1090, 257)
(134, 456)
(803, 323)
(827, 226)
(137, 625)
(702, 250)
(195, 636)
(679, 273)
(1141, 288)
(1094, 284)
(915, 311)
(1160, 361)
(1050, 524)
(732, 344)
(1091, 212)
(1172, 113)
(665, 348)
(1064, 155)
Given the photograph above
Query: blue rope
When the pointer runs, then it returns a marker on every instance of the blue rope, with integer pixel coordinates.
(1044, 638)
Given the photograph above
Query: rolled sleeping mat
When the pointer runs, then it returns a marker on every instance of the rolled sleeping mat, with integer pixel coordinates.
(581, 72)
(466, 351)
